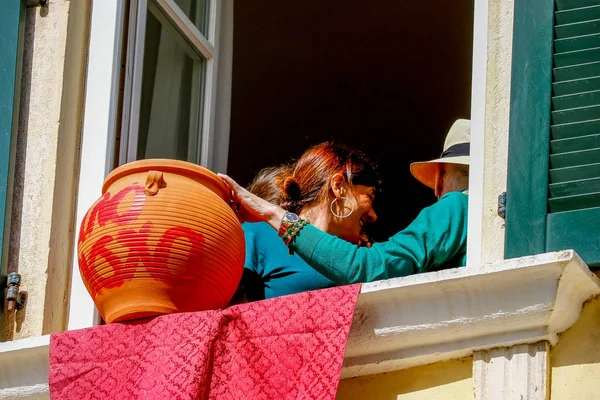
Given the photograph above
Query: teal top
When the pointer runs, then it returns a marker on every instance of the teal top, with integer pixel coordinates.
(436, 239)
(270, 270)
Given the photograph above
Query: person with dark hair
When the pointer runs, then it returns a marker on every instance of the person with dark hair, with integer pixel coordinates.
(267, 183)
(331, 185)
(435, 240)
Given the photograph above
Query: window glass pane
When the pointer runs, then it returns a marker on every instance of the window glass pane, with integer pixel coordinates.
(197, 12)
(170, 104)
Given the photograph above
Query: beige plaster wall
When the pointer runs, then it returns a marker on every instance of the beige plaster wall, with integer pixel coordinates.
(575, 360)
(46, 164)
(497, 108)
(448, 380)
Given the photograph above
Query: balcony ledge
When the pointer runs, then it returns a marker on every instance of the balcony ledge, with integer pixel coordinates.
(422, 319)
(417, 320)
(24, 372)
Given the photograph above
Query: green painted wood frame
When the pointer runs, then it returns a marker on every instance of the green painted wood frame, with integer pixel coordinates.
(529, 127)
(12, 23)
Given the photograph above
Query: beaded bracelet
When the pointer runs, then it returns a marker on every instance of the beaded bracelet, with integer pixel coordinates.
(292, 231)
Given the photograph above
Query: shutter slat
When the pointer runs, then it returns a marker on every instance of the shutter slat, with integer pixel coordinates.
(576, 100)
(575, 158)
(577, 29)
(575, 188)
(585, 42)
(575, 144)
(576, 72)
(570, 203)
(575, 129)
(576, 86)
(574, 173)
(573, 4)
(578, 15)
(572, 58)
(576, 114)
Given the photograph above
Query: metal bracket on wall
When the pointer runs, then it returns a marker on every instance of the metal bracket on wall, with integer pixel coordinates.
(14, 297)
(35, 3)
(502, 205)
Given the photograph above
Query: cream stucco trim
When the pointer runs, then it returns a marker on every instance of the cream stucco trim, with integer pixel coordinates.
(517, 372)
(24, 372)
(490, 117)
(421, 319)
(46, 158)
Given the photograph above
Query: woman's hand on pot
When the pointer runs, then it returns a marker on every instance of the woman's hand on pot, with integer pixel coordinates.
(251, 208)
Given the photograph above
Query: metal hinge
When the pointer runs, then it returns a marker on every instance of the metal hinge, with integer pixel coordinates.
(502, 205)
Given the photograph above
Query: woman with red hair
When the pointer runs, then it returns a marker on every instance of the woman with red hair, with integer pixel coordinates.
(435, 240)
(333, 187)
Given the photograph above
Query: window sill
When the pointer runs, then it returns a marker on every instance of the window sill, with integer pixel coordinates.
(417, 320)
(422, 319)
(24, 374)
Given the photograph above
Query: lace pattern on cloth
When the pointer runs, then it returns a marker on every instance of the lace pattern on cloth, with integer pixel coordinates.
(290, 347)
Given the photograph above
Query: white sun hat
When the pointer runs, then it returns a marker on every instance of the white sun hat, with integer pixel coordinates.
(456, 151)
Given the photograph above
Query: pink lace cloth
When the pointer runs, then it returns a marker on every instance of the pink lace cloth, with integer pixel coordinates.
(290, 347)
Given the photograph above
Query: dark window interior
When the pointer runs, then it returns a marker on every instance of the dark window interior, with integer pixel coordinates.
(386, 76)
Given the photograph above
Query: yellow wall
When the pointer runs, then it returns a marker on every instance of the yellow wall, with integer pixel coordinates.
(448, 380)
(575, 359)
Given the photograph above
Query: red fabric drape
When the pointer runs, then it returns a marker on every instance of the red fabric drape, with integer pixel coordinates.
(290, 347)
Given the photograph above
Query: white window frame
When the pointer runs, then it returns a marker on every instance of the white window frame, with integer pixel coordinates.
(198, 47)
(478, 106)
(98, 141)
(100, 123)
(99, 132)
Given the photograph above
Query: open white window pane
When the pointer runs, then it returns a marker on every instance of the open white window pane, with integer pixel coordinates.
(197, 12)
(170, 111)
(170, 14)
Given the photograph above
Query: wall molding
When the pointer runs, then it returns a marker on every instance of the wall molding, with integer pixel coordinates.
(422, 319)
(24, 372)
(416, 320)
(517, 372)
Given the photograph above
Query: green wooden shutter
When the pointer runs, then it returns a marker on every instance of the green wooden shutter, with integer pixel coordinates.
(12, 15)
(574, 190)
(529, 128)
(569, 194)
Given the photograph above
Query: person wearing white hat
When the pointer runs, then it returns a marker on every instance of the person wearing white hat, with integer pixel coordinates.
(454, 159)
(435, 240)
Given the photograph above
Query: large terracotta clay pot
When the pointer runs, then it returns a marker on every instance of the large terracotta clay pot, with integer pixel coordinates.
(161, 239)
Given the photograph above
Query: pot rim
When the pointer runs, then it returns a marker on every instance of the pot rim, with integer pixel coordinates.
(170, 166)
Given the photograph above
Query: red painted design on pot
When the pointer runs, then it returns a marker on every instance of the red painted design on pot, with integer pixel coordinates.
(173, 245)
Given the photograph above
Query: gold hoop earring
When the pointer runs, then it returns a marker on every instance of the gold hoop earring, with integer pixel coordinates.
(339, 215)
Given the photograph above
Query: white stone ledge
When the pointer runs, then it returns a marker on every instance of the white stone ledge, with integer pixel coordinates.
(417, 320)
(421, 319)
(24, 368)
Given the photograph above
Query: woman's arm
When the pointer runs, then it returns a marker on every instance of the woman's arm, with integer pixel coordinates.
(432, 239)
